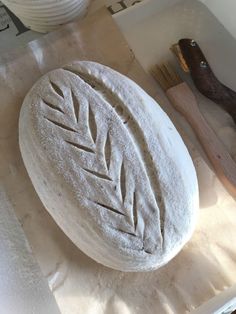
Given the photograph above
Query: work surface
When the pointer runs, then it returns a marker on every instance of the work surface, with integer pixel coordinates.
(203, 268)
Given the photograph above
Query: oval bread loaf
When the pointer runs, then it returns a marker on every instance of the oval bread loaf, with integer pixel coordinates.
(109, 166)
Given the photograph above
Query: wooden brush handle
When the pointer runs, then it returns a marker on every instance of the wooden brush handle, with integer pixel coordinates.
(185, 102)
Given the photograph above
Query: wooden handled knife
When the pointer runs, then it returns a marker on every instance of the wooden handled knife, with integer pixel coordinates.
(192, 60)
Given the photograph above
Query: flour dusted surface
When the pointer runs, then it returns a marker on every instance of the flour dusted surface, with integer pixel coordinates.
(109, 166)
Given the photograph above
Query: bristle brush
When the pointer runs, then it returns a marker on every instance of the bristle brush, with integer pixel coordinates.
(184, 101)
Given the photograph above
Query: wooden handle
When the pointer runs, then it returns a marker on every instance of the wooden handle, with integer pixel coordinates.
(185, 102)
(204, 78)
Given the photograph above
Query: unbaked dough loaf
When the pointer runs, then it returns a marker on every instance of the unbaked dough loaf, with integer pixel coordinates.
(109, 166)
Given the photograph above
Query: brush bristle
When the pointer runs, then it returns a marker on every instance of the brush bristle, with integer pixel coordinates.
(166, 76)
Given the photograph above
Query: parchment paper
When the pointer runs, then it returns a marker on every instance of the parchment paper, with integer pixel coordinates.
(204, 267)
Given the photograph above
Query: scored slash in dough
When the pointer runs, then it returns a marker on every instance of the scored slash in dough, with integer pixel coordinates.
(109, 166)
